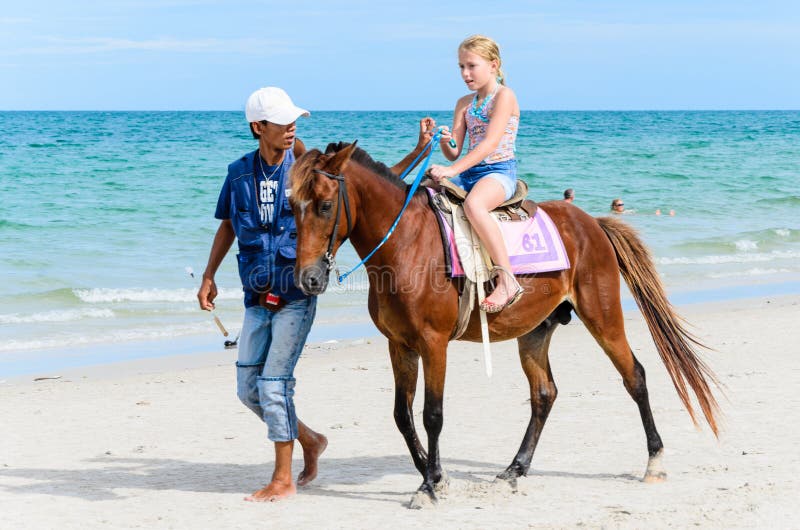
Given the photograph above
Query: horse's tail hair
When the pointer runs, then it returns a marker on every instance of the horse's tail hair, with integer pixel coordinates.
(674, 343)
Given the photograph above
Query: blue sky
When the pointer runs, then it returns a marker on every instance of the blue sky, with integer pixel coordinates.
(367, 55)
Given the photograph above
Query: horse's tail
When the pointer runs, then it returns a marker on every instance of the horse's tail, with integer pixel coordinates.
(675, 345)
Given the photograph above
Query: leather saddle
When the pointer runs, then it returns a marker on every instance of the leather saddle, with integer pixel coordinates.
(517, 208)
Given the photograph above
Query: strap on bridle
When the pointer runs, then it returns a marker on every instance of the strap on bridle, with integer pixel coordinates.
(329, 258)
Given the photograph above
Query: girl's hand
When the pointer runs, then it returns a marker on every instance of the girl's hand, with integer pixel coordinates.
(440, 173)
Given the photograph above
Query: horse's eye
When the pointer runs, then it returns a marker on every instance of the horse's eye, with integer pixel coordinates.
(325, 207)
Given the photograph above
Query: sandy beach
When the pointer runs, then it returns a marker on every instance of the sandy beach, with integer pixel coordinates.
(164, 443)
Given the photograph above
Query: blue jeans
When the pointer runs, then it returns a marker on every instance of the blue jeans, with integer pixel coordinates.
(269, 347)
(503, 172)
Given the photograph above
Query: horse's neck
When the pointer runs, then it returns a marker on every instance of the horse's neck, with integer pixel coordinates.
(379, 202)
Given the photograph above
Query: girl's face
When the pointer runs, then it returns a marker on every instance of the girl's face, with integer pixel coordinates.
(476, 71)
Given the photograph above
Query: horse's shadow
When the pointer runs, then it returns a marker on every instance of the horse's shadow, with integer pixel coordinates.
(105, 483)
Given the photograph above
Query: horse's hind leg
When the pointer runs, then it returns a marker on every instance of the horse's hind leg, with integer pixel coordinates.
(533, 349)
(405, 365)
(605, 322)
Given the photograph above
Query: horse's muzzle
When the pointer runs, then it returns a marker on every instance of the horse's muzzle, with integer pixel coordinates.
(312, 280)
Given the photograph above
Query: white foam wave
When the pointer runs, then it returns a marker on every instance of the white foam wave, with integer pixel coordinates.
(745, 245)
(730, 258)
(65, 315)
(783, 232)
(101, 295)
(749, 272)
(68, 340)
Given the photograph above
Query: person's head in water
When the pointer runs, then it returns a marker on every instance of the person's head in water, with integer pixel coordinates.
(617, 206)
(569, 195)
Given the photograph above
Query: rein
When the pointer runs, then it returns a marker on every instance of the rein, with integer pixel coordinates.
(329, 258)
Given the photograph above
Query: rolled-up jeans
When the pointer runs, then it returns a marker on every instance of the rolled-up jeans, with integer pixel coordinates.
(269, 347)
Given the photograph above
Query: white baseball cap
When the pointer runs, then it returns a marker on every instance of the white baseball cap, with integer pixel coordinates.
(274, 105)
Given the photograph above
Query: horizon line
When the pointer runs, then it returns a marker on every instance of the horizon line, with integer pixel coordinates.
(425, 110)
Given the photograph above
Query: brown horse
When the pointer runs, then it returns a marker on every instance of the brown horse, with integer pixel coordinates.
(344, 193)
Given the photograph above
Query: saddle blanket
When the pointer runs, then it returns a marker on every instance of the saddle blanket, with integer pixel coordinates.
(533, 245)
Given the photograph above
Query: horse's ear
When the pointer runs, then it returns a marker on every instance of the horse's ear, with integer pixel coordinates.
(338, 161)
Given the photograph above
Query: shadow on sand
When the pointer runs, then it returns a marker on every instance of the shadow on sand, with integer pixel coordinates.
(119, 474)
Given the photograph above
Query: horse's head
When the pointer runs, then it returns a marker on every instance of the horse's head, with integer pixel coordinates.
(322, 213)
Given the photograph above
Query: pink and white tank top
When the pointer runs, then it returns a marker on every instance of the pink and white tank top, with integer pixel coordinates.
(476, 129)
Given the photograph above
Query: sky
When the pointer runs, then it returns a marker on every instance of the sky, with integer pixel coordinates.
(372, 55)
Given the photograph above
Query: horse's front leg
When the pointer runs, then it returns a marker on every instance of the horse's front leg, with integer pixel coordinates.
(434, 363)
(405, 365)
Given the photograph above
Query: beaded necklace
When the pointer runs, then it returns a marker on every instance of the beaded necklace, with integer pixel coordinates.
(477, 111)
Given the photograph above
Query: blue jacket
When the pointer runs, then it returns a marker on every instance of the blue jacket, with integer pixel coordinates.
(267, 251)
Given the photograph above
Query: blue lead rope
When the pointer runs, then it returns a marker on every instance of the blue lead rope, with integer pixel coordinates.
(411, 192)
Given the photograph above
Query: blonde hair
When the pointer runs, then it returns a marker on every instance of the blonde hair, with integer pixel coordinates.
(486, 48)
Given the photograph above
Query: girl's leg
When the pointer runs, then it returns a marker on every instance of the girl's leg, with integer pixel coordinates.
(486, 195)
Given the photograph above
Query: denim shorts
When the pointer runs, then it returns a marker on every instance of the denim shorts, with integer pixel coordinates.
(503, 172)
(269, 346)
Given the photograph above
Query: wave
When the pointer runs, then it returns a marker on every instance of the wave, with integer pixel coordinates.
(673, 176)
(745, 245)
(747, 273)
(69, 340)
(70, 296)
(730, 258)
(4, 223)
(784, 200)
(694, 144)
(101, 295)
(766, 239)
(65, 315)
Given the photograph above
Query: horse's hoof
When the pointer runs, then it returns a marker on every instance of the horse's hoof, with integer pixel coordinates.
(505, 484)
(654, 477)
(421, 500)
(655, 469)
(443, 486)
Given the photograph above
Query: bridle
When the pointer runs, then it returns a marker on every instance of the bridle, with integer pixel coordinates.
(342, 197)
(331, 262)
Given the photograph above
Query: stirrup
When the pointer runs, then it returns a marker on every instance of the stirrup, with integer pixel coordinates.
(490, 307)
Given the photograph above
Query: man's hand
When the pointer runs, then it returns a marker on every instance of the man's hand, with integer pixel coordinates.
(427, 127)
(207, 293)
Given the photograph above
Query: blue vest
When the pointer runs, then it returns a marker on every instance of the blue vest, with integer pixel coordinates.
(267, 252)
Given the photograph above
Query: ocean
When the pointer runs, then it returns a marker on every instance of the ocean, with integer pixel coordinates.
(103, 212)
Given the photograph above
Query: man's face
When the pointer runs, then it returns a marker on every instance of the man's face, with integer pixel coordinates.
(276, 136)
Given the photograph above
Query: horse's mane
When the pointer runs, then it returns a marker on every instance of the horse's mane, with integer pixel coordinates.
(302, 176)
(360, 156)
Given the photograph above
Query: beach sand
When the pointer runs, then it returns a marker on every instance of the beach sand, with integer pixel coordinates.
(164, 443)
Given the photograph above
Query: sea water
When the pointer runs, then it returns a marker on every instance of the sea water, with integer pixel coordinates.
(101, 213)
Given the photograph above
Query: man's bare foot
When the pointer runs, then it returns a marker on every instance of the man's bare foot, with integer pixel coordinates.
(311, 452)
(274, 491)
